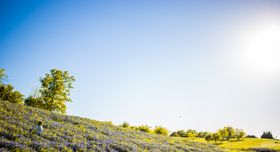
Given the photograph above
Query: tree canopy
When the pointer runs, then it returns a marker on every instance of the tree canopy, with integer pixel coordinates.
(54, 91)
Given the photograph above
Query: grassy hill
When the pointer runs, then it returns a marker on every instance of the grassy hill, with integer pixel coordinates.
(66, 133)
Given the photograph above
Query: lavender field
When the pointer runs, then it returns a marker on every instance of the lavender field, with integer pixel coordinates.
(70, 133)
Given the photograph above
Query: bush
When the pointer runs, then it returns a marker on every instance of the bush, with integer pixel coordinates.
(125, 125)
(161, 130)
(144, 128)
(174, 134)
(201, 134)
(182, 133)
(251, 136)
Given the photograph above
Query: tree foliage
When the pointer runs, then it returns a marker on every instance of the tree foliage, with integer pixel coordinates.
(7, 92)
(191, 133)
(144, 128)
(125, 124)
(226, 132)
(239, 133)
(54, 91)
(161, 130)
(208, 137)
(216, 137)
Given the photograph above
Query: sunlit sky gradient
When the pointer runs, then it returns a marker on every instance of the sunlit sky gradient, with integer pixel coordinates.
(180, 64)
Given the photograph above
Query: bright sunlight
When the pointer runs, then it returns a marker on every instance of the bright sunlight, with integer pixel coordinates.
(261, 52)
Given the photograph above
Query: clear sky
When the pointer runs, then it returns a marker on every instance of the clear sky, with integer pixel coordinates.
(180, 64)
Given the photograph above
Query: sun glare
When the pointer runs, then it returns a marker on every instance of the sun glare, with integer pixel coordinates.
(261, 52)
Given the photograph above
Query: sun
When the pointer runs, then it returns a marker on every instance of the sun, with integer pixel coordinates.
(261, 51)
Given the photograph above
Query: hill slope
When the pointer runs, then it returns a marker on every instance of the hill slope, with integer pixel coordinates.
(70, 133)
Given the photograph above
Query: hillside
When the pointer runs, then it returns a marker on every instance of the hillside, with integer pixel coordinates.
(67, 133)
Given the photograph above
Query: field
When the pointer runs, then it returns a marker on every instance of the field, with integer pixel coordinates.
(245, 144)
(70, 133)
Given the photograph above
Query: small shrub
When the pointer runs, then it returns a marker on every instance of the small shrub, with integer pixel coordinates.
(251, 136)
(161, 130)
(144, 128)
(125, 125)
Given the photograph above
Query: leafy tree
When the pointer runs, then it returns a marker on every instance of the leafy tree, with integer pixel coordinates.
(216, 137)
(208, 137)
(54, 91)
(35, 102)
(7, 92)
(191, 133)
(182, 133)
(161, 130)
(239, 133)
(267, 134)
(226, 132)
(201, 134)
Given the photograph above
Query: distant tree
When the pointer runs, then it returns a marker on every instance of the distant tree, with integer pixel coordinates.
(216, 137)
(161, 130)
(144, 128)
(267, 134)
(174, 134)
(208, 137)
(191, 133)
(54, 91)
(7, 92)
(182, 133)
(201, 134)
(251, 136)
(239, 133)
(226, 132)
(125, 125)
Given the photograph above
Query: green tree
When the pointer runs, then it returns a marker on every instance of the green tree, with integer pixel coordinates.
(226, 132)
(201, 134)
(161, 130)
(239, 133)
(55, 90)
(208, 137)
(216, 137)
(7, 92)
(191, 133)
(181, 133)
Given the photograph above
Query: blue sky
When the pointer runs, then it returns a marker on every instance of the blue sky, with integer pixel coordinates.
(170, 63)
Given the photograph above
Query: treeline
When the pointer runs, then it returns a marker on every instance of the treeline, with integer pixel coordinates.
(145, 128)
(224, 134)
(52, 95)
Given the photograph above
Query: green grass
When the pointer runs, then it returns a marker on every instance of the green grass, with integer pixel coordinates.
(244, 144)
(66, 133)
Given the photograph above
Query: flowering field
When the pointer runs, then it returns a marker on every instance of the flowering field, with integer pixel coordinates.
(70, 133)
